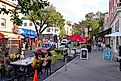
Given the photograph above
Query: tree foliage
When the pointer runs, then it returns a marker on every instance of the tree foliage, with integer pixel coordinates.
(47, 17)
(38, 11)
(93, 21)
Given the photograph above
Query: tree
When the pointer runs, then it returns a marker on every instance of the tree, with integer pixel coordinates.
(47, 17)
(76, 28)
(93, 21)
(25, 7)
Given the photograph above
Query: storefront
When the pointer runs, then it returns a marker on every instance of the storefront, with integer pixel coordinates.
(102, 35)
(11, 41)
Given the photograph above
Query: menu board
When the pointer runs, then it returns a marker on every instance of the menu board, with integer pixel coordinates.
(84, 53)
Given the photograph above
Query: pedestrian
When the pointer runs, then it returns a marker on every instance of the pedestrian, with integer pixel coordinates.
(7, 63)
(95, 47)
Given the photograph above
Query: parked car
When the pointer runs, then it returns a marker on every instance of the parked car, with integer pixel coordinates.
(64, 41)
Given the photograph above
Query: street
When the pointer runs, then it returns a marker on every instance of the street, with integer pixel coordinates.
(93, 69)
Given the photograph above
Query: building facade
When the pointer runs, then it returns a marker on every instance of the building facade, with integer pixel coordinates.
(7, 37)
(47, 33)
(68, 28)
(115, 22)
(5, 23)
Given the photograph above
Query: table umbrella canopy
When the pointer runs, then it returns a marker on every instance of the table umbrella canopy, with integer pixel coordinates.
(115, 34)
(77, 37)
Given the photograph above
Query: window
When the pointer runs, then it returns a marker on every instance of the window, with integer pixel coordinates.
(25, 24)
(3, 6)
(48, 30)
(3, 22)
(56, 30)
(30, 24)
(117, 26)
(119, 3)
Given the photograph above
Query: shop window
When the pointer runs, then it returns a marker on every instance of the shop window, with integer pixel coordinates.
(3, 22)
(3, 6)
(117, 26)
(119, 3)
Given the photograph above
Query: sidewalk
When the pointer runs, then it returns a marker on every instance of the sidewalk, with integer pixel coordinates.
(93, 69)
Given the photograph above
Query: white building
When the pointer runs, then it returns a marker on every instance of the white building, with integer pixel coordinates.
(68, 28)
(48, 32)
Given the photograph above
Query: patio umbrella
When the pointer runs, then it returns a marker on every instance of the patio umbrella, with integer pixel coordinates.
(77, 37)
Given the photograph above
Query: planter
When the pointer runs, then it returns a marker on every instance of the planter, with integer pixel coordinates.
(54, 59)
(60, 56)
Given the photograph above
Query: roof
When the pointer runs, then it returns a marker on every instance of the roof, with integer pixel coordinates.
(8, 3)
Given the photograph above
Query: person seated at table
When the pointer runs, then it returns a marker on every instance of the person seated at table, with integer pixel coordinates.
(47, 57)
(37, 61)
(22, 55)
(7, 62)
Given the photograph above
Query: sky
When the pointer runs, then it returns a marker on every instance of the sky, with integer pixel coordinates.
(75, 10)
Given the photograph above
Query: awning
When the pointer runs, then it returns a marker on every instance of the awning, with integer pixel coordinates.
(103, 33)
(115, 34)
(11, 35)
(27, 33)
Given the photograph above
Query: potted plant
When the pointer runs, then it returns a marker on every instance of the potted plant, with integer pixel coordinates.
(59, 54)
(3, 50)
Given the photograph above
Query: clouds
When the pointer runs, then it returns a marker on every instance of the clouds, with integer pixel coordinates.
(75, 10)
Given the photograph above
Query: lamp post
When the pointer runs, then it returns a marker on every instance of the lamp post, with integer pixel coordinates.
(89, 31)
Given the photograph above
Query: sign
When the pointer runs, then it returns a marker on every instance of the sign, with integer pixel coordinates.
(84, 54)
(107, 54)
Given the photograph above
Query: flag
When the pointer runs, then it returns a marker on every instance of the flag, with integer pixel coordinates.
(35, 76)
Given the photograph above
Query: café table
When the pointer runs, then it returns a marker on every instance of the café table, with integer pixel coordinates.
(22, 64)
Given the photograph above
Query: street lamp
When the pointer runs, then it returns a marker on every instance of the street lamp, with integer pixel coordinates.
(90, 30)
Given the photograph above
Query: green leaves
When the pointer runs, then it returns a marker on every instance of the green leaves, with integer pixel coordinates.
(48, 17)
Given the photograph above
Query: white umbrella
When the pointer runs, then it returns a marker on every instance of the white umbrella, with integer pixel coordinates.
(115, 34)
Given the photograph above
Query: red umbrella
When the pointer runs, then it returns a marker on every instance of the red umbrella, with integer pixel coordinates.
(77, 37)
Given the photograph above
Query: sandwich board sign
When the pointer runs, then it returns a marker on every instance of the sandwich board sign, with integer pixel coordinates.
(84, 54)
(107, 54)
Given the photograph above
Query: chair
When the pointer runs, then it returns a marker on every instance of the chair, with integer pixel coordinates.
(1, 71)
